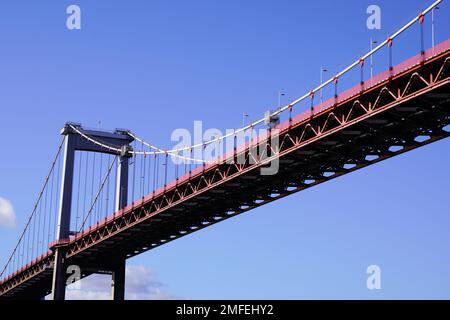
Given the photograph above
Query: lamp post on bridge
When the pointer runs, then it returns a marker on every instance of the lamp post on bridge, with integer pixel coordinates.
(372, 42)
(433, 28)
(244, 116)
(280, 94)
(322, 71)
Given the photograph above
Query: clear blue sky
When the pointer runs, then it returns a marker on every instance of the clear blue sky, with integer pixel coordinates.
(154, 66)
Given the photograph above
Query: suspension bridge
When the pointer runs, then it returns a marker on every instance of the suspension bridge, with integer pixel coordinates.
(109, 196)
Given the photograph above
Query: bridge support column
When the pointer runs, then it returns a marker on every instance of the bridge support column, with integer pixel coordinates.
(63, 230)
(122, 181)
(75, 142)
(118, 272)
(59, 275)
(118, 280)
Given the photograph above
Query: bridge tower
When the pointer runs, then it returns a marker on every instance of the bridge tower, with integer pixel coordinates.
(75, 142)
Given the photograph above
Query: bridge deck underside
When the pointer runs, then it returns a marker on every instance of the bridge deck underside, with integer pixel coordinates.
(396, 116)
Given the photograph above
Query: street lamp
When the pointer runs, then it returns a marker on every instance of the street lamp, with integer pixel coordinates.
(322, 71)
(280, 94)
(244, 115)
(433, 28)
(372, 42)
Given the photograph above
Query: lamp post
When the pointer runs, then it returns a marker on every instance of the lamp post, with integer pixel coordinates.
(372, 42)
(280, 94)
(433, 27)
(244, 115)
(322, 71)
